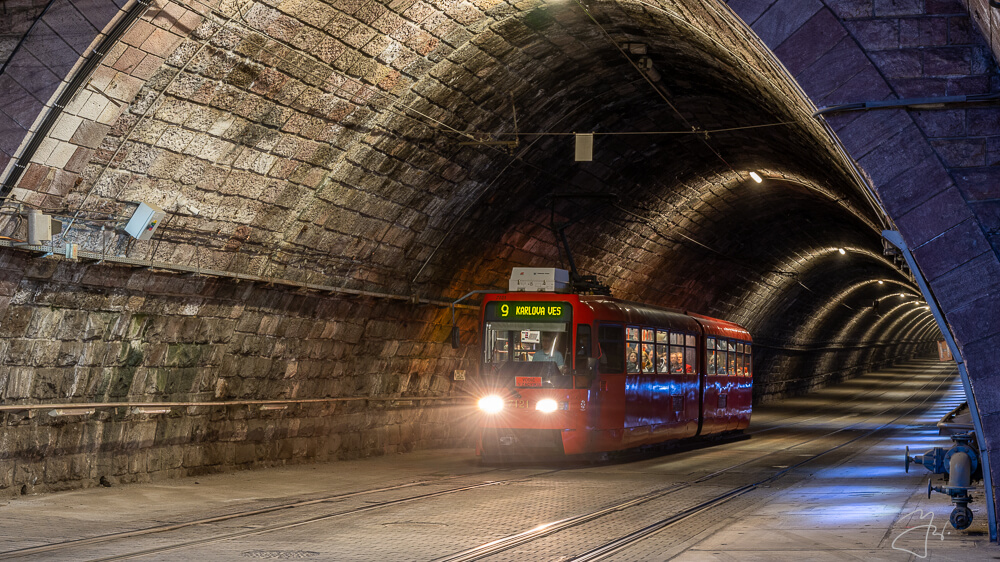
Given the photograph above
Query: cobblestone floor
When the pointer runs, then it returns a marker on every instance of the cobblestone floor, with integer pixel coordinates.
(853, 501)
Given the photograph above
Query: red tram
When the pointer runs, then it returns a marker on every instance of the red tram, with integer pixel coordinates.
(572, 374)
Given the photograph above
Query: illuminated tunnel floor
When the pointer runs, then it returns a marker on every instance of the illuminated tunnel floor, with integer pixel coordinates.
(820, 478)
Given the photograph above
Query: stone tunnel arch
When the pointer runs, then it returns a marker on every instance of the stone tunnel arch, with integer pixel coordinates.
(932, 167)
(339, 155)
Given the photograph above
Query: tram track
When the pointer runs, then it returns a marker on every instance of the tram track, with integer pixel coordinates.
(546, 529)
(512, 541)
(96, 540)
(621, 543)
(499, 545)
(90, 541)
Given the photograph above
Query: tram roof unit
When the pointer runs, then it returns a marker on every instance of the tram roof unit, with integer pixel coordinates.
(633, 313)
(549, 283)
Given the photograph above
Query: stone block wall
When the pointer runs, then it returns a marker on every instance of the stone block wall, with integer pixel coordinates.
(97, 335)
(817, 368)
(18, 17)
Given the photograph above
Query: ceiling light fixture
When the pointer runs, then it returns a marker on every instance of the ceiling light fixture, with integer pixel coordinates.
(842, 251)
(584, 147)
(756, 177)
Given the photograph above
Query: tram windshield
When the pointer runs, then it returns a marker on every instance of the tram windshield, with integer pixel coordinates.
(507, 341)
(529, 343)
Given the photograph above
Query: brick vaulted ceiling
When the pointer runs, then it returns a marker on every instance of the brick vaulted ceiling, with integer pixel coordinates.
(336, 143)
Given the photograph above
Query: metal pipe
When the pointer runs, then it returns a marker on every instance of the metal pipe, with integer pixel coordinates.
(79, 405)
(915, 103)
(955, 427)
(960, 470)
(150, 264)
(897, 240)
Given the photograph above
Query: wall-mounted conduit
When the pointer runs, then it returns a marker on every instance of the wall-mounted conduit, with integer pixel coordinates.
(398, 401)
(96, 258)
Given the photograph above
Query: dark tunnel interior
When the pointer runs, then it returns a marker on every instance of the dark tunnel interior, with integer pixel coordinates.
(330, 186)
(671, 217)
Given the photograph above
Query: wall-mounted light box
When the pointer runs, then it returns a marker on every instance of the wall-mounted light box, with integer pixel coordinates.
(144, 221)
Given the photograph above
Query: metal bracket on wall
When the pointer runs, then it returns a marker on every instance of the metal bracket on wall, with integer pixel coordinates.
(897, 240)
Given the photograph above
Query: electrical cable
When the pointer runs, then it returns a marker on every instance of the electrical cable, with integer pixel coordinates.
(239, 15)
(128, 135)
(390, 109)
(648, 133)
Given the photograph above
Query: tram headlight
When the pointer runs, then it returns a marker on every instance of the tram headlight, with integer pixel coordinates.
(546, 405)
(491, 404)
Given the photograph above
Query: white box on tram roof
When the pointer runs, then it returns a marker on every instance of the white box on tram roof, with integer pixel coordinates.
(538, 279)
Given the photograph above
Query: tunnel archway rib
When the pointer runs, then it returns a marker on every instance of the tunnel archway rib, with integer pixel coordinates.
(933, 192)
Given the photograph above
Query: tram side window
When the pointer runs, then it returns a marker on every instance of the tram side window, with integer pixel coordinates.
(749, 361)
(732, 359)
(682, 354)
(647, 357)
(662, 352)
(690, 360)
(609, 337)
(710, 344)
(632, 349)
(676, 353)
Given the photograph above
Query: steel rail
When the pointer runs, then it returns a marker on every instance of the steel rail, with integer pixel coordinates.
(528, 536)
(626, 541)
(472, 554)
(545, 529)
(551, 528)
(55, 547)
(299, 523)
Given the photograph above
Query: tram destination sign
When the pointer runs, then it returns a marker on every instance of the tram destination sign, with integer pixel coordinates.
(527, 311)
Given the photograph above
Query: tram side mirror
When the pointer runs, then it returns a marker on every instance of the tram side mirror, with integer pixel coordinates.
(583, 343)
(586, 371)
(586, 367)
(455, 337)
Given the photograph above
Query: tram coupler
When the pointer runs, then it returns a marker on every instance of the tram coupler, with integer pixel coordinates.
(959, 464)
